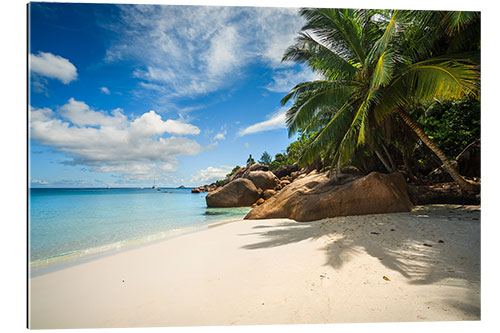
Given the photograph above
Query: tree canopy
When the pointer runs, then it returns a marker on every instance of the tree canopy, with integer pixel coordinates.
(376, 64)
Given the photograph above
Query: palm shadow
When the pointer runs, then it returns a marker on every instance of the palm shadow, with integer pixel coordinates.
(436, 242)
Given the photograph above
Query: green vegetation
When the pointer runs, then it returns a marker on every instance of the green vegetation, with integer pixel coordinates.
(452, 125)
(399, 91)
(266, 158)
(233, 171)
(378, 65)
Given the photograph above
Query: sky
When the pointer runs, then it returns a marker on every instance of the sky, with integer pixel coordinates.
(136, 95)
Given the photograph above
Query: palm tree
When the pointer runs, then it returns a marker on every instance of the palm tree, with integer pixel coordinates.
(376, 64)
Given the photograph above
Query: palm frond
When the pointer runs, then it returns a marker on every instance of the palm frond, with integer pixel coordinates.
(380, 46)
(310, 101)
(437, 78)
(338, 28)
(452, 79)
(331, 134)
(319, 57)
(384, 68)
(454, 21)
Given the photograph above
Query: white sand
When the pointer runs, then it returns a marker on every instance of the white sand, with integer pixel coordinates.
(279, 272)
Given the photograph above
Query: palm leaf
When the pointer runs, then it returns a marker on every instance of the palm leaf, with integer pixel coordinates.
(309, 102)
(384, 68)
(319, 57)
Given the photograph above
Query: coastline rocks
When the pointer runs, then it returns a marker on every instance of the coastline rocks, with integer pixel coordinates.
(238, 193)
(243, 172)
(268, 193)
(204, 188)
(255, 167)
(263, 179)
(284, 183)
(444, 193)
(315, 197)
(286, 170)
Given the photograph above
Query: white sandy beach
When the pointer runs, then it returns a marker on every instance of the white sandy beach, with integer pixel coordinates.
(279, 272)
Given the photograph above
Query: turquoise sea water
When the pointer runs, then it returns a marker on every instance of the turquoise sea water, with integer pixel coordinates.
(70, 224)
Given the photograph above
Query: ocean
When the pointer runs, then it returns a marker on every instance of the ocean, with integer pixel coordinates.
(71, 225)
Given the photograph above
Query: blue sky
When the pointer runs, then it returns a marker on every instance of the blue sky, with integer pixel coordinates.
(126, 95)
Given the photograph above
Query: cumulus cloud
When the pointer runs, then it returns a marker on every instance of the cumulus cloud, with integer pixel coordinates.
(105, 90)
(211, 174)
(276, 121)
(81, 114)
(53, 66)
(193, 50)
(139, 148)
(151, 124)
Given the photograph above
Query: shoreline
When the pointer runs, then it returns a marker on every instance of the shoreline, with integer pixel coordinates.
(69, 259)
(279, 272)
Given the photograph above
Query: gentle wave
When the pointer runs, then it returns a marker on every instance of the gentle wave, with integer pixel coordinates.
(73, 257)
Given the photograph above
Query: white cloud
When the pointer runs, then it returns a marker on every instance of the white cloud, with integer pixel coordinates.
(276, 121)
(285, 80)
(105, 90)
(111, 142)
(40, 182)
(220, 136)
(81, 114)
(225, 52)
(193, 50)
(53, 66)
(211, 174)
(151, 124)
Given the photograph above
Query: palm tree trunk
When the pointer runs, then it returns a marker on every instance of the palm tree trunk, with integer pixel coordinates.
(382, 159)
(406, 163)
(464, 184)
(393, 165)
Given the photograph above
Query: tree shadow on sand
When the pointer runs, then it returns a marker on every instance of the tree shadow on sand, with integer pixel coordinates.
(427, 245)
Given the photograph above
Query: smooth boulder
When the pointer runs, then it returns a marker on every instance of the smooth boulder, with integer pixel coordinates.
(268, 193)
(286, 170)
(315, 197)
(243, 172)
(263, 179)
(238, 193)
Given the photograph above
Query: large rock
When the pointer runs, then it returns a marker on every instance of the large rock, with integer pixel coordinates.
(254, 167)
(238, 193)
(263, 179)
(316, 197)
(243, 172)
(268, 193)
(237, 174)
(286, 170)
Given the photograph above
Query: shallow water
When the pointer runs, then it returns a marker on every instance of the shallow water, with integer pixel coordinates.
(65, 224)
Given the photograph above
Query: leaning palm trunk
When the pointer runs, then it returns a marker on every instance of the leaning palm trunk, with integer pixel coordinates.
(383, 160)
(448, 167)
(393, 165)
